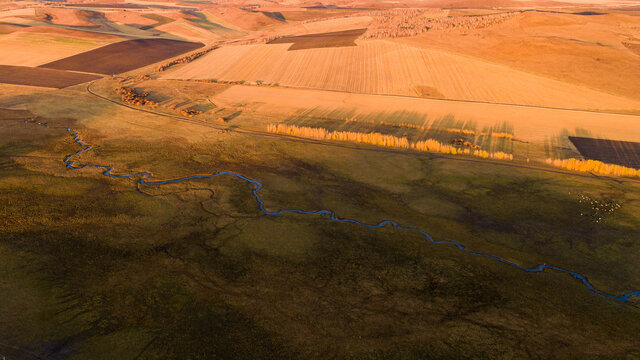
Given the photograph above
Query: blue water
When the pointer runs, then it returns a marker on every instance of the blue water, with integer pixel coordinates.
(146, 179)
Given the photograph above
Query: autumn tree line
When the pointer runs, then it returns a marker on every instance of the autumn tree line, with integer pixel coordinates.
(185, 59)
(375, 138)
(594, 166)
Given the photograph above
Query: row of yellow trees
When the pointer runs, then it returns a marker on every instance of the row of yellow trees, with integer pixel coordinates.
(594, 166)
(450, 130)
(375, 138)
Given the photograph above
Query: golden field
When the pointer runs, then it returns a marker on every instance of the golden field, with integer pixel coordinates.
(389, 67)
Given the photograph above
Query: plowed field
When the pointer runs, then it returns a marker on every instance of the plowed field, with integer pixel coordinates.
(124, 56)
(625, 153)
(23, 75)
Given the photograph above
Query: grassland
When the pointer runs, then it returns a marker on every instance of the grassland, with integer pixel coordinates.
(94, 267)
(97, 267)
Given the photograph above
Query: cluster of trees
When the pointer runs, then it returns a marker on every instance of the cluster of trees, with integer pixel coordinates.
(132, 97)
(190, 112)
(410, 22)
(594, 166)
(185, 59)
(375, 138)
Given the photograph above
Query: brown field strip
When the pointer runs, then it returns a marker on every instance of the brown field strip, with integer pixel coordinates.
(623, 153)
(321, 40)
(33, 76)
(123, 56)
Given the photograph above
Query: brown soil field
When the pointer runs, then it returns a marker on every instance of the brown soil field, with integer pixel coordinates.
(124, 56)
(321, 40)
(338, 24)
(585, 50)
(23, 75)
(388, 67)
(623, 153)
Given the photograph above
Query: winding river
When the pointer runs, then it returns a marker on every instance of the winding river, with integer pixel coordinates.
(146, 179)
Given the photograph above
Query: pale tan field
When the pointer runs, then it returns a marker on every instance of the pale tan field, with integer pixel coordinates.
(18, 16)
(186, 31)
(239, 19)
(528, 123)
(339, 24)
(69, 33)
(585, 50)
(128, 18)
(70, 17)
(32, 49)
(388, 67)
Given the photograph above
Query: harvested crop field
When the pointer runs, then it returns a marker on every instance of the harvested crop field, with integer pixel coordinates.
(635, 47)
(6, 28)
(23, 75)
(321, 40)
(387, 67)
(69, 33)
(623, 153)
(339, 24)
(31, 47)
(124, 56)
(158, 20)
(243, 19)
(527, 123)
(186, 30)
(69, 17)
(129, 18)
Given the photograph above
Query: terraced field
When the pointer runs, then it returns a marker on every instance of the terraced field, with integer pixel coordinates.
(387, 67)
